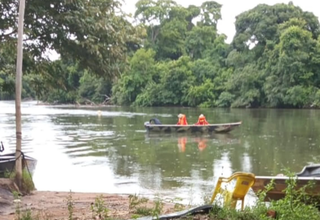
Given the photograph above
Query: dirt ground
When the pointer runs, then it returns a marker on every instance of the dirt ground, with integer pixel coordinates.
(53, 205)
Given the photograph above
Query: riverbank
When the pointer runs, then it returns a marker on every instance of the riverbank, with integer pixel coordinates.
(54, 205)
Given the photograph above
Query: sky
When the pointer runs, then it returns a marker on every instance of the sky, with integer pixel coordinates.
(232, 8)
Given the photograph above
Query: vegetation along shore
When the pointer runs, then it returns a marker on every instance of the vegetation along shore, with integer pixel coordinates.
(175, 58)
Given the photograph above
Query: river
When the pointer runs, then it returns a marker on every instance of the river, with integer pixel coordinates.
(79, 149)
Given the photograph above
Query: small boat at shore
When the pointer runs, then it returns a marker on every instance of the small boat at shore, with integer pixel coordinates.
(8, 161)
(308, 174)
(217, 128)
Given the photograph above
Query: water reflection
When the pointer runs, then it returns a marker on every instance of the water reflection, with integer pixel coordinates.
(182, 141)
(201, 141)
(185, 140)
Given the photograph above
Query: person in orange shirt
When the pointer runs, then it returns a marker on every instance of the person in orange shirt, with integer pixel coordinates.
(182, 120)
(202, 120)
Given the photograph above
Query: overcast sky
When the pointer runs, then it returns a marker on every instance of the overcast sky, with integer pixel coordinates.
(232, 8)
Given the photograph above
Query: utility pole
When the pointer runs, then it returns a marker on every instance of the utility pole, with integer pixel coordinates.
(18, 94)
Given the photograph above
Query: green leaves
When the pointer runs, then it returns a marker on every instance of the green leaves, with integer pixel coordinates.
(132, 82)
(176, 81)
(275, 57)
(176, 76)
(211, 13)
(246, 85)
(174, 57)
(77, 29)
(171, 28)
(289, 81)
(202, 95)
(262, 23)
(199, 40)
(153, 11)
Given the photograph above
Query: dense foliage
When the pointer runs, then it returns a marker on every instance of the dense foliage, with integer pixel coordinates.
(88, 35)
(176, 57)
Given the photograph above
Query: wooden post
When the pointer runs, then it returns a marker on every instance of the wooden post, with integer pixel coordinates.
(18, 94)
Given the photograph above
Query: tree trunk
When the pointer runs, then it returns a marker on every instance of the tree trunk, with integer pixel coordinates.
(18, 94)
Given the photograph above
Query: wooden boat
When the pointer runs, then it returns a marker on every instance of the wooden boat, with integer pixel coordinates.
(7, 163)
(308, 173)
(217, 128)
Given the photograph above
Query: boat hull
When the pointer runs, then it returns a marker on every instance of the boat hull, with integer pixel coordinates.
(7, 163)
(280, 184)
(216, 128)
(310, 173)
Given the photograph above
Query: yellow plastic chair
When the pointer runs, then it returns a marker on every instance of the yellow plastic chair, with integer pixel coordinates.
(243, 183)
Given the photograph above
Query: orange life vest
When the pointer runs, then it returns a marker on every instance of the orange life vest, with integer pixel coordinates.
(202, 121)
(182, 120)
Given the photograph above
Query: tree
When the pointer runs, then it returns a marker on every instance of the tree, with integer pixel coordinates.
(290, 70)
(134, 80)
(166, 24)
(171, 40)
(202, 95)
(210, 13)
(199, 40)
(246, 83)
(260, 24)
(272, 57)
(152, 13)
(177, 81)
(77, 29)
(18, 164)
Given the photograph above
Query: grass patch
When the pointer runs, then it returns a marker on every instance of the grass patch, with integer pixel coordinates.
(99, 208)
(142, 207)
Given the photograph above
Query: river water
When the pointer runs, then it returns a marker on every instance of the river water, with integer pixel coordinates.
(79, 149)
